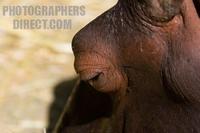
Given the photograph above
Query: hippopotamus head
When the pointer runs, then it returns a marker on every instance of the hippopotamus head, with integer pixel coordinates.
(142, 58)
(136, 44)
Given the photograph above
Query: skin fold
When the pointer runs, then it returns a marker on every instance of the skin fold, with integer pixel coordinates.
(139, 67)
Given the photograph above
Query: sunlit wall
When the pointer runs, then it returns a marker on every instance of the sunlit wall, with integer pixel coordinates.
(33, 62)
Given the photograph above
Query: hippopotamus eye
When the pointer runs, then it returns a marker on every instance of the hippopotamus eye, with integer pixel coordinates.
(98, 81)
(99, 72)
(98, 78)
(95, 78)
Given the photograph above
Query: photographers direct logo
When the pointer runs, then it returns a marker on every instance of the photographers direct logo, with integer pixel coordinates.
(42, 17)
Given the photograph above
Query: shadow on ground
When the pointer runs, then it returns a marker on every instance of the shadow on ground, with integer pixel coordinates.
(61, 94)
(87, 106)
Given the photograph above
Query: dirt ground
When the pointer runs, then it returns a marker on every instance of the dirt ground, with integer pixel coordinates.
(36, 69)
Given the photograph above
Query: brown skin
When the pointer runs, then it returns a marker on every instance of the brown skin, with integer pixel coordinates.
(141, 59)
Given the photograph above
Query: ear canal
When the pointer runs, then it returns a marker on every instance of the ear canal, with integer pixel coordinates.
(197, 6)
(161, 10)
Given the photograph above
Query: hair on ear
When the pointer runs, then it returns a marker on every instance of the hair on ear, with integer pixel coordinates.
(161, 10)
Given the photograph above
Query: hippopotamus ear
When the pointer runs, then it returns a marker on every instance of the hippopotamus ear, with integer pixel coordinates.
(84, 106)
(161, 10)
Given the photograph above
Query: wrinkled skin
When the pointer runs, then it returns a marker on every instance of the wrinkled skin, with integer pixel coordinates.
(139, 65)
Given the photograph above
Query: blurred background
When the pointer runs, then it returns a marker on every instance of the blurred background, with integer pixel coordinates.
(36, 68)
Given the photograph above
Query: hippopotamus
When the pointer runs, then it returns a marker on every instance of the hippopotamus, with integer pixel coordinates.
(139, 68)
